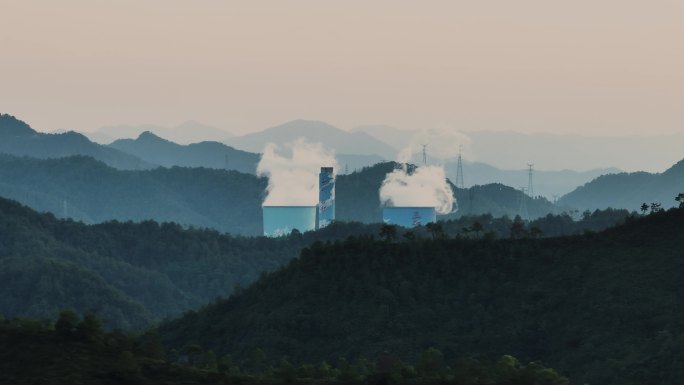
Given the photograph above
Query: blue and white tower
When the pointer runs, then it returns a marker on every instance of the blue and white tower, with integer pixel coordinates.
(326, 197)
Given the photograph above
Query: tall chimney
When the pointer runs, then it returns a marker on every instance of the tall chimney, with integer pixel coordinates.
(326, 197)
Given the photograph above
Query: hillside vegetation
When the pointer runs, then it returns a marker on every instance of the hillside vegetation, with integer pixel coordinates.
(603, 308)
(129, 274)
(78, 351)
(228, 201)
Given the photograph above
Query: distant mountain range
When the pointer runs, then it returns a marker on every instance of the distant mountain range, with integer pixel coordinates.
(85, 189)
(185, 133)
(156, 150)
(343, 142)
(545, 183)
(163, 152)
(629, 190)
(18, 138)
(558, 152)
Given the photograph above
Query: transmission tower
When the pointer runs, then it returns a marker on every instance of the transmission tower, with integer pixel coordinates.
(65, 208)
(459, 170)
(424, 154)
(530, 187)
(522, 207)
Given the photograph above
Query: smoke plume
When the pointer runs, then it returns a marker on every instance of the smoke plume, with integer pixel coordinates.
(426, 186)
(292, 172)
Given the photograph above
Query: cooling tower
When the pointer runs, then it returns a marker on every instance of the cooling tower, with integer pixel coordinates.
(281, 220)
(326, 197)
(409, 216)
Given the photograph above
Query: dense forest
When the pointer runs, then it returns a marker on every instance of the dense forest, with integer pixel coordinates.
(603, 308)
(87, 190)
(132, 274)
(78, 351)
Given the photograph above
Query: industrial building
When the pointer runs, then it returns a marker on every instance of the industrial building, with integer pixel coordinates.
(326, 197)
(409, 216)
(281, 220)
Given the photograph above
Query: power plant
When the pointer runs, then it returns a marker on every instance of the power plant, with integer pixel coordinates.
(409, 216)
(281, 220)
(326, 197)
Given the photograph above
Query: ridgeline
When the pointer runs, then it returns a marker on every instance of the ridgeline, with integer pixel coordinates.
(603, 308)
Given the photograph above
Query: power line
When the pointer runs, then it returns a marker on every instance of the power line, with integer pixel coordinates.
(459, 170)
(530, 187)
(424, 154)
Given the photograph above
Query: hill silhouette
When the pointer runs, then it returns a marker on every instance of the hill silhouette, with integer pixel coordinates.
(228, 201)
(629, 190)
(315, 131)
(185, 133)
(18, 138)
(604, 308)
(156, 150)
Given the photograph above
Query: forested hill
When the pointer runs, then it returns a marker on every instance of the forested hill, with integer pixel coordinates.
(128, 274)
(603, 308)
(358, 199)
(18, 138)
(205, 154)
(228, 201)
(87, 190)
(629, 190)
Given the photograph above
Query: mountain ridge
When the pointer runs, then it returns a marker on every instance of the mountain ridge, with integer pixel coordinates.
(18, 138)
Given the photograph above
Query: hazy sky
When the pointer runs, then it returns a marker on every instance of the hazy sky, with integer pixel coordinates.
(584, 66)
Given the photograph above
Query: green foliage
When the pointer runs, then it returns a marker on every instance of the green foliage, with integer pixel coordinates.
(128, 274)
(601, 307)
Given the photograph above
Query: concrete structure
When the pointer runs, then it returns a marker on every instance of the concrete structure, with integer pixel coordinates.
(326, 197)
(409, 216)
(281, 220)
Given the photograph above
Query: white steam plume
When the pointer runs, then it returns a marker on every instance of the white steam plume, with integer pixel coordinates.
(426, 186)
(293, 179)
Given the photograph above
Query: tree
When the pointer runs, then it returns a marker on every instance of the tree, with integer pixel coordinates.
(517, 228)
(477, 228)
(536, 232)
(388, 232)
(644, 208)
(655, 207)
(431, 363)
(90, 328)
(436, 230)
(67, 322)
(409, 235)
(680, 198)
